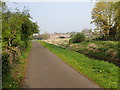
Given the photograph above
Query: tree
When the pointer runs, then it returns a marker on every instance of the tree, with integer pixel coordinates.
(88, 33)
(116, 7)
(17, 29)
(79, 37)
(104, 17)
(45, 36)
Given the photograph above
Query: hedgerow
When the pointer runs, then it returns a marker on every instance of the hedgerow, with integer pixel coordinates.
(17, 29)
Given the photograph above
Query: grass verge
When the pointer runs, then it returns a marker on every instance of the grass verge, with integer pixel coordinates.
(13, 79)
(103, 73)
(102, 50)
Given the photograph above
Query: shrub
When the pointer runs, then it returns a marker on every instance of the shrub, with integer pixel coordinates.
(5, 64)
(79, 37)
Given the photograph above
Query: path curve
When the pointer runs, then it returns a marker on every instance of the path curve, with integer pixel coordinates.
(46, 70)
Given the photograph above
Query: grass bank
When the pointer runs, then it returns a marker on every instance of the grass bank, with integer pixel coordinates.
(102, 50)
(103, 73)
(13, 79)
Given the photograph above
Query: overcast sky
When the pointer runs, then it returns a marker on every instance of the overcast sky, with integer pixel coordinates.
(59, 16)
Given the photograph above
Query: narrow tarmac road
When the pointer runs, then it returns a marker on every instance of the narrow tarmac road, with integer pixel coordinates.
(46, 70)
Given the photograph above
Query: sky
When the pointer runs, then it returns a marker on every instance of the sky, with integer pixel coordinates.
(59, 17)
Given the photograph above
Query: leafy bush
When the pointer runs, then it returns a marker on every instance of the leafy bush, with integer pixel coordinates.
(79, 37)
(17, 30)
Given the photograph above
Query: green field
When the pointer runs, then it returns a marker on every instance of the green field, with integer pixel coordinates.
(103, 73)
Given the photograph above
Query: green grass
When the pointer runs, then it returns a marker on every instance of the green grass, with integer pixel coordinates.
(103, 73)
(107, 44)
(100, 44)
(102, 50)
(13, 79)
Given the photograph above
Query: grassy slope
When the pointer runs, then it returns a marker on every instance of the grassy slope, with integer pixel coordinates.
(17, 72)
(103, 73)
(103, 50)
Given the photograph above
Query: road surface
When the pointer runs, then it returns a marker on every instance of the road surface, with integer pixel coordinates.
(46, 70)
